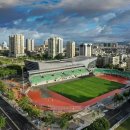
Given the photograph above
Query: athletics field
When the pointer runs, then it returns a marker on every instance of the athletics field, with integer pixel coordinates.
(85, 89)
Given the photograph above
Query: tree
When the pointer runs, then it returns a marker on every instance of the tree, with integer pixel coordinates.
(5, 72)
(2, 122)
(126, 94)
(111, 66)
(118, 98)
(59, 56)
(36, 112)
(64, 120)
(1, 63)
(115, 99)
(48, 118)
(33, 112)
(3, 87)
(28, 107)
(45, 56)
(24, 102)
(17, 69)
(99, 124)
(12, 72)
(10, 94)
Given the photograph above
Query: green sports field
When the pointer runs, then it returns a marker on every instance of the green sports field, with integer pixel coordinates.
(85, 89)
(125, 125)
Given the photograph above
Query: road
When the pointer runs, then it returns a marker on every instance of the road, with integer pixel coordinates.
(9, 125)
(19, 120)
(117, 114)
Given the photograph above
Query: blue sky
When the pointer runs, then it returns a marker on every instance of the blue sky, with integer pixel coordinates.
(78, 20)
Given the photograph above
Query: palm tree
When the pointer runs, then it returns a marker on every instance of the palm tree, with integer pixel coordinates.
(2, 122)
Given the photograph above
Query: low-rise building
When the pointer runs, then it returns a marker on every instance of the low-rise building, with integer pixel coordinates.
(115, 60)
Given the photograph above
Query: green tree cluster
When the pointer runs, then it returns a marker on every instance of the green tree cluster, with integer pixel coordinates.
(64, 120)
(126, 94)
(17, 69)
(25, 104)
(99, 124)
(48, 118)
(3, 87)
(59, 56)
(5, 72)
(10, 94)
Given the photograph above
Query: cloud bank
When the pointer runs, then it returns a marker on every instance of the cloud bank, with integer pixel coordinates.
(79, 20)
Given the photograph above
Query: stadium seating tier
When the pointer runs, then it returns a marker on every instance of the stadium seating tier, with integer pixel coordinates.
(44, 78)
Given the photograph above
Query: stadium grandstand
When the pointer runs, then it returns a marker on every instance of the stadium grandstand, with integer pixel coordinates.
(44, 72)
(112, 72)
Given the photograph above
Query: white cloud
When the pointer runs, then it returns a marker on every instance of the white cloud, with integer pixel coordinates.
(72, 4)
(96, 19)
(93, 4)
(108, 16)
(4, 34)
(16, 22)
(5, 3)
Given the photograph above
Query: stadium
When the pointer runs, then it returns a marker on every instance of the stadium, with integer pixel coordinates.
(72, 84)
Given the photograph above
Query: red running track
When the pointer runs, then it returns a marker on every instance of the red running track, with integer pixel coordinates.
(114, 78)
(58, 102)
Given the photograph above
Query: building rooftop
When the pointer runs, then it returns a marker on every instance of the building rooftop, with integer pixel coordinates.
(75, 59)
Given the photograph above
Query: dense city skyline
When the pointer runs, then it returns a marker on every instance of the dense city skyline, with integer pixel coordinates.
(80, 20)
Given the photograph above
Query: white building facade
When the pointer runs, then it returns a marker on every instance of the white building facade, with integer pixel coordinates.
(30, 45)
(55, 46)
(70, 49)
(16, 45)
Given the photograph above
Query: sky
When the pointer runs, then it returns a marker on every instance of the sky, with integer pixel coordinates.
(76, 20)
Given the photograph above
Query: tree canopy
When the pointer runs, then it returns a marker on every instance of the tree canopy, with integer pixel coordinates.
(99, 124)
(4, 72)
(2, 122)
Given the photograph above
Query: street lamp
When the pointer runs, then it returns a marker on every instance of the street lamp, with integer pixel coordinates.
(22, 79)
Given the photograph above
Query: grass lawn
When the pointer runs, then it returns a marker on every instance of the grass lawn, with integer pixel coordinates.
(125, 125)
(85, 89)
